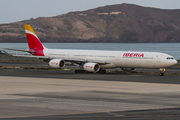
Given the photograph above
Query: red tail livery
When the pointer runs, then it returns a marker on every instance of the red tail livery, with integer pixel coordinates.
(33, 41)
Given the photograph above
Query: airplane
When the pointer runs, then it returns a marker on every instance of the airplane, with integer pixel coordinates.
(95, 61)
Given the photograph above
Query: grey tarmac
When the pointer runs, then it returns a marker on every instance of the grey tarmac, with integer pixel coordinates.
(43, 94)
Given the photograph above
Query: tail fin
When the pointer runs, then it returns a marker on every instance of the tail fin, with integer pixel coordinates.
(32, 39)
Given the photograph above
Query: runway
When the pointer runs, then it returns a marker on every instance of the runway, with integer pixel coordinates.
(43, 94)
(67, 98)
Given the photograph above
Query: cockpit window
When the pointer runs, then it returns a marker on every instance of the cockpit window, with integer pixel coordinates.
(170, 58)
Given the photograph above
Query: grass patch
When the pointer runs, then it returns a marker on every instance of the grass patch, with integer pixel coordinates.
(35, 61)
(32, 68)
(135, 72)
(177, 65)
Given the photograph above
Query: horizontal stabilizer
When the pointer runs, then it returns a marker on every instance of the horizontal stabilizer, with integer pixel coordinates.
(19, 50)
(4, 52)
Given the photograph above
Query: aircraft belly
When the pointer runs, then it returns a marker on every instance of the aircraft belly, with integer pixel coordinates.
(137, 63)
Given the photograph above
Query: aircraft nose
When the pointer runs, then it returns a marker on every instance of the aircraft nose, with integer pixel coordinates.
(175, 62)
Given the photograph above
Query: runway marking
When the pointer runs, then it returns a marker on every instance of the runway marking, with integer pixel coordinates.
(85, 117)
(135, 75)
(9, 70)
(114, 114)
(124, 106)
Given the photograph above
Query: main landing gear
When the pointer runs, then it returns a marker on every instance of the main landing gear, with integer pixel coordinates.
(102, 71)
(79, 71)
(83, 71)
(162, 70)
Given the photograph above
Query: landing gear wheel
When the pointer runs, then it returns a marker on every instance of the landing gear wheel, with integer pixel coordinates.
(79, 71)
(161, 74)
(102, 71)
(162, 70)
(76, 71)
(82, 71)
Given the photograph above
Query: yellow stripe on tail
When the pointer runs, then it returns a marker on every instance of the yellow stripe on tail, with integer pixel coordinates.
(28, 27)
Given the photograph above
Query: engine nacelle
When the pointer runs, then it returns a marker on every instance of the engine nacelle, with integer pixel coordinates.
(57, 63)
(128, 69)
(91, 67)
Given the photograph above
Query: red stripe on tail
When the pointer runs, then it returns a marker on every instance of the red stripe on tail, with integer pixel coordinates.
(33, 42)
(35, 45)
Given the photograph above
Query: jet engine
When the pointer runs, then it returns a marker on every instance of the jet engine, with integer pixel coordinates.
(57, 63)
(91, 67)
(128, 69)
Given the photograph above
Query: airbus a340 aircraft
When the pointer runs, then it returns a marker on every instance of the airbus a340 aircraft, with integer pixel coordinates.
(93, 60)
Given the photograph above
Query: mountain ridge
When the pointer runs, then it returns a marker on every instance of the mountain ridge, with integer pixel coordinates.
(113, 23)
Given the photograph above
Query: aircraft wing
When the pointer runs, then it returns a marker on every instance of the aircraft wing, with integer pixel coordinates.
(30, 56)
(77, 60)
(74, 60)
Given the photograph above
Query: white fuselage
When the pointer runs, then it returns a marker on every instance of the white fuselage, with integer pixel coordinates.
(117, 59)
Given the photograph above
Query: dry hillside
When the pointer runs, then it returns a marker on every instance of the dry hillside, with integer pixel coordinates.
(115, 23)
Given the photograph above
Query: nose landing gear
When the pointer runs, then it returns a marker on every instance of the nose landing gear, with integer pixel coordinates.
(162, 70)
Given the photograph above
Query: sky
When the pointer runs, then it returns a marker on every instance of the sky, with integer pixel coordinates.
(18, 10)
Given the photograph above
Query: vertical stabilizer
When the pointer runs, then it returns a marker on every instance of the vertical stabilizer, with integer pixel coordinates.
(32, 39)
(34, 42)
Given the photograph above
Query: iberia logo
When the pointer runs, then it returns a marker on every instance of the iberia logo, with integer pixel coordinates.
(56, 63)
(89, 66)
(133, 55)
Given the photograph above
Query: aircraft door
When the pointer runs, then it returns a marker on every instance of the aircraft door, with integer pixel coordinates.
(118, 57)
(158, 58)
(69, 54)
